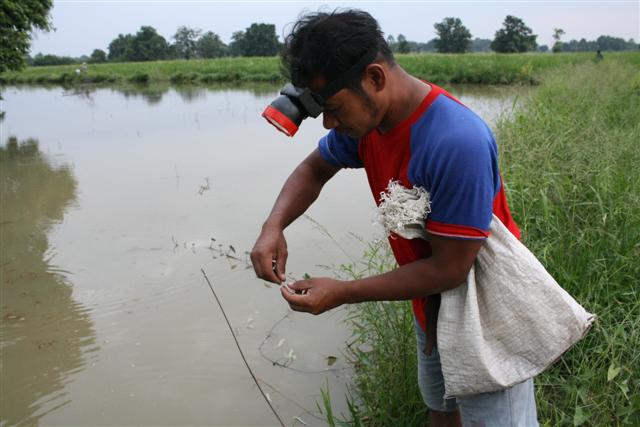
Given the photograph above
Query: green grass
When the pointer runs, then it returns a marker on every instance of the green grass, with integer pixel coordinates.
(481, 68)
(491, 68)
(571, 162)
(224, 70)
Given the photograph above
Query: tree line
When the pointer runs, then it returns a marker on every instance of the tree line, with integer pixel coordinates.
(147, 44)
(260, 39)
(20, 17)
(514, 37)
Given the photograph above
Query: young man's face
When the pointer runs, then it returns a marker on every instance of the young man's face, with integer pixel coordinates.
(351, 112)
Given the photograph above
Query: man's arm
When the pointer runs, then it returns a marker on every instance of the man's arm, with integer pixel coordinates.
(446, 269)
(299, 191)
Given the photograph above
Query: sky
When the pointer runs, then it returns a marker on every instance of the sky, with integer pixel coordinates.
(84, 25)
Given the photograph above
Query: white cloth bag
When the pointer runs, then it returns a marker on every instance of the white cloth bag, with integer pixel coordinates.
(508, 322)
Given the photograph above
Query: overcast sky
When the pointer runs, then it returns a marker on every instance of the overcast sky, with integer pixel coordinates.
(81, 26)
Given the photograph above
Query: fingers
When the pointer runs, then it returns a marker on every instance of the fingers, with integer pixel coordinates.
(281, 262)
(300, 286)
(300, 308)
(269, 256)
(298, 302)
(263, 266)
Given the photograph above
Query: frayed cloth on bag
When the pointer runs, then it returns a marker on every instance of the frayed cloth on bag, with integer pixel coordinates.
(508, 322)
(403, 210)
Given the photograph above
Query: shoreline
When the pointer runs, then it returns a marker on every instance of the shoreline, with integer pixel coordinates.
(468, 68)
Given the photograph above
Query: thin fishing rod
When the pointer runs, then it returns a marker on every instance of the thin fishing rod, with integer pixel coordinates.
(240, 350)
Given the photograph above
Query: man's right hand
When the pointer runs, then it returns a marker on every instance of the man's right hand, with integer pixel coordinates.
(269, 255)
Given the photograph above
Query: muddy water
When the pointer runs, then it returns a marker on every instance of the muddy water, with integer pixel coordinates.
(112, 202)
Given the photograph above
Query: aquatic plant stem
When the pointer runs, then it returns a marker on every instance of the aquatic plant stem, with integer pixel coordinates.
(266, 399)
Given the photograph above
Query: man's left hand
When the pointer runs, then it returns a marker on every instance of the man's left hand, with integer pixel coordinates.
(315, 295)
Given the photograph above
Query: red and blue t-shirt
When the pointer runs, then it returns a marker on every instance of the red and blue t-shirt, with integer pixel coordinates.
(448, 150)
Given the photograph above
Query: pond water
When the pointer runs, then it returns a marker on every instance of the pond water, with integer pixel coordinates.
(113, 200)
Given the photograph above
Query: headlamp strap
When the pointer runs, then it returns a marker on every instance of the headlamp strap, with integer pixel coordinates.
(353, 72)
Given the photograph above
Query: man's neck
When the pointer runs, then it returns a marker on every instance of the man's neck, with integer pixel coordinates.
(407, 93)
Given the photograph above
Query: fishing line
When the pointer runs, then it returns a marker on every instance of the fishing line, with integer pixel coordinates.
(266, 399)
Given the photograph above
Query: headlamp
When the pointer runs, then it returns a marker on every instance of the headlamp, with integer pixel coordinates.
(295, 104)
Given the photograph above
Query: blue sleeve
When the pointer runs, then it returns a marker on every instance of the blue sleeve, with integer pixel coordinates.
(460, 171)
(340, 150)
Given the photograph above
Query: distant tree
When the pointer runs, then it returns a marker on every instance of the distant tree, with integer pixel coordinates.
(145, 45)
(584, 46)
(602, 43)
(430, 46)
(172, 53)
(391, 41)
(480, 45)
(256, 40)
(18, 18)
(120, 48)
(415, 46)
(543, 48)
(148, 45)
(237, 46)
(403, 44)
(210, 46)
(557, 46)
(611, 43)
(98, 56)
(580, 46)
(186, 42)
(453, 37)
(513, 37)
(42, 60)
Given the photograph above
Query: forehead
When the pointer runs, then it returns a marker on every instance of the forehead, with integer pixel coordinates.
(343, 95)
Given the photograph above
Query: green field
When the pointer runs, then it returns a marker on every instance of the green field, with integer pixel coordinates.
(438, 68)
(570, 158)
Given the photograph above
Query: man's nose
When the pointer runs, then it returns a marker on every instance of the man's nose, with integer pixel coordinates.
(329, 121)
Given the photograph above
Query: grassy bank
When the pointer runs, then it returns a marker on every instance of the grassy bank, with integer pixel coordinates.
(467, 68)
(223, 70)
(571, 162)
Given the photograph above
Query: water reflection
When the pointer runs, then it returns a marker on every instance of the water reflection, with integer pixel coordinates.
(44, 333)
(154, 93)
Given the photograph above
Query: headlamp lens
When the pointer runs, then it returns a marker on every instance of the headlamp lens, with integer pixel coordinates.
(284, 115)
(280, 121)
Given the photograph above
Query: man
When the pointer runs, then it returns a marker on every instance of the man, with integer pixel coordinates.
(398, 128)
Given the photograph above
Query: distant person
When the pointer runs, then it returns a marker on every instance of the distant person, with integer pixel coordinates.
(397, 127)
(599, 56)
(83, 69)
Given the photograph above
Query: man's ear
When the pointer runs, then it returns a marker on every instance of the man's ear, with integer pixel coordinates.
(376, 76)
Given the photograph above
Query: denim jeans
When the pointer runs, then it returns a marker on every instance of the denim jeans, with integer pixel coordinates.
(512, 407)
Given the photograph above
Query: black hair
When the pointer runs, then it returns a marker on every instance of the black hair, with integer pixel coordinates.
(329, 44)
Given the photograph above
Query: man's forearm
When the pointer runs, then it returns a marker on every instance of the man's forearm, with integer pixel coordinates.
(300, 190)
(446, 269)
(417, 279)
